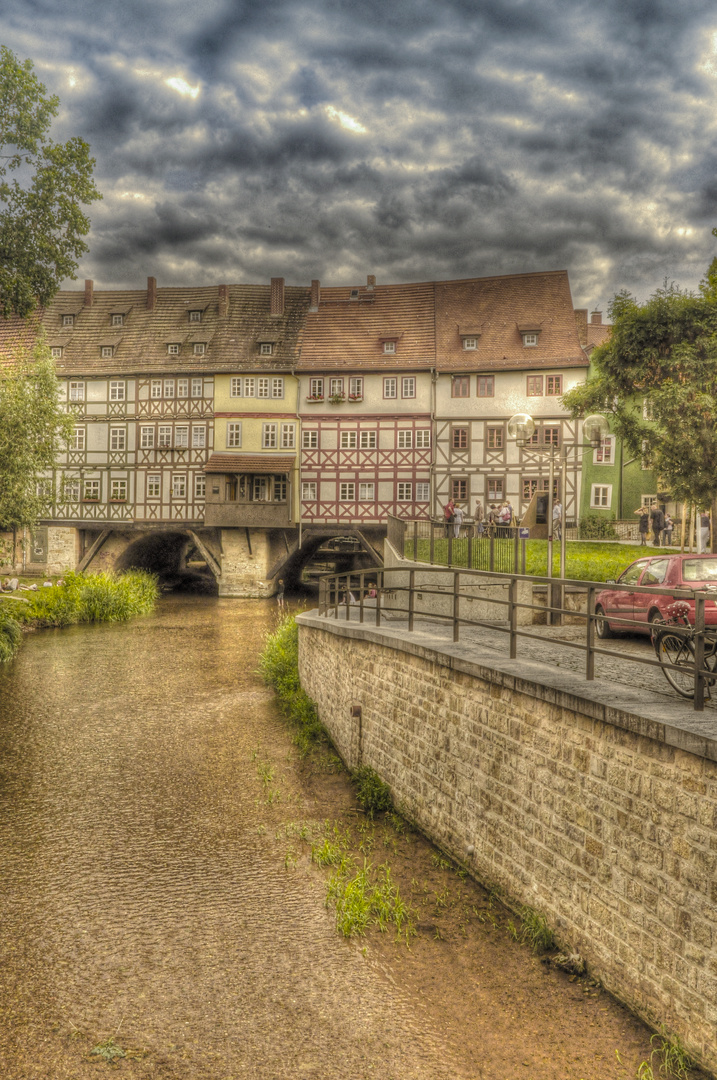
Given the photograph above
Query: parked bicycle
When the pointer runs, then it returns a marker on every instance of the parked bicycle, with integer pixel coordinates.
(675, 647)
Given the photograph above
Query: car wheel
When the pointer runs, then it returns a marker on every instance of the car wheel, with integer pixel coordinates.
(602, 627)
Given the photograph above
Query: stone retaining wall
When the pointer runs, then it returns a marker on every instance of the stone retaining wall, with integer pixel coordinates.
(603, 819)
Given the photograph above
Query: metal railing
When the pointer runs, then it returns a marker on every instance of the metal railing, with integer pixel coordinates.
(496, 548)
(374, 593)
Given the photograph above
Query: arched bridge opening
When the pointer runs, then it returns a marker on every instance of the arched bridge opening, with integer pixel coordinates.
(329, 548)
(181, 559)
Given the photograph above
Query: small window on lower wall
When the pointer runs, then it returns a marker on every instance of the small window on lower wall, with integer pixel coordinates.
(154, 485)
(308, 490)
(459, 488)
(601, 496)
(367, 492)
(200, 485)
(179, 487)
(405, 492)
(347, 492)
(118, 490)
(496, 489)
(423, 491)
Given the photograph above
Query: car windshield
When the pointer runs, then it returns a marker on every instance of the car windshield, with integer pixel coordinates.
(699, 570)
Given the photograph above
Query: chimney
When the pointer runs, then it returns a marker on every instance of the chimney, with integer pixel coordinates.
(315, 295)
(151, 293)
(223, 306)
(596, 318)
(89, 291)
(277, 296)
(371, 281)
(581, 318)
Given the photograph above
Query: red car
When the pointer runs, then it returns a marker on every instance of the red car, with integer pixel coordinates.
(663, 571)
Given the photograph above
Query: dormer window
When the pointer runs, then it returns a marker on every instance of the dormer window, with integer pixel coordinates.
(68, 320)
(530, 340)
(266, 348)
(173, 350)
(107, 352)
(195, 316)
(199, 348)
(354, 295)
(470, 343)
(389, 346)
(117, 320)
(56, 351)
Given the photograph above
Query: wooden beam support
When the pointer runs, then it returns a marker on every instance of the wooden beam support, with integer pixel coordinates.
(206, 554)
(89, 555)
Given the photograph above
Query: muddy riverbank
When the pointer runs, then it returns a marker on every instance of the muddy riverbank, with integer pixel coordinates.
(158, 889)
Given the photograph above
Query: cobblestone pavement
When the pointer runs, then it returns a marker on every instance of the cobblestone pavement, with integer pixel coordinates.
(544, 646)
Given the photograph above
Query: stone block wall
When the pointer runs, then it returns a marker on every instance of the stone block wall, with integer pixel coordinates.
(604, 827)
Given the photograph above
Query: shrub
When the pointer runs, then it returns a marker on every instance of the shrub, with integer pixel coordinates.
(10, 635)
(371, 792)
(279, 667)
(595, 527)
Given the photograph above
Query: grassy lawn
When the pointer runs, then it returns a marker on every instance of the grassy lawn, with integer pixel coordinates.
(584, 560)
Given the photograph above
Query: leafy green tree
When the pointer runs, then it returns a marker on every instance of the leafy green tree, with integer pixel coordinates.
(34, 428)
(43, 185)
(656, 377)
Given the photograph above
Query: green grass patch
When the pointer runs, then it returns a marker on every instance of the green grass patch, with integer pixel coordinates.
(371, 792)
(84, 598)
(534, 930)
(366, 897)
(584, 561)
(279, 667)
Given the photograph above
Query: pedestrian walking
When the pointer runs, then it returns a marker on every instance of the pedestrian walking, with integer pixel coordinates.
(557, 519)
(657, 521)
(667, 531)
(280, 594)
(448, 512)
(457, 520)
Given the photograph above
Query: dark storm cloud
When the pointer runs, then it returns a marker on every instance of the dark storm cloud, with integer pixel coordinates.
(413, 140)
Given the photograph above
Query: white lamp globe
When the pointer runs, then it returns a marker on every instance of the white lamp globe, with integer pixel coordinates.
(521, 427)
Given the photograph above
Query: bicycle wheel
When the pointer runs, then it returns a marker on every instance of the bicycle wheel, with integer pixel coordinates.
(680, 652)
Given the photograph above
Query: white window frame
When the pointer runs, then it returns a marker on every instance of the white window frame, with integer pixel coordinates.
(405, 438)
(233, 434)
(77, 439)
(179, 486)
(68, 320)
(91, 485)
(200, 485)
(367, 491)
(117, 320)
(118, 390)
(199, 348)
(195, 316)
(336, 386)
(530, 340)
(423, 490)
(369, 439)
(288, 436)
(600, 501)
(118, 490)
(347, 491)
(146, 438)
(71, 490)
(56, 351)
(197, 388)
(199, 436)
(408, 386)
(249, 387)
(182, 388)
(155, 389)
(389, 347)
(269, 436)
(266, 348)
(470, 344)
(277, 386)
(77, 390)
(607, 445)
(404, 491)
(154, 485)
(423, 438)
(168, 388)
(316, 388)
(310, 439)
(173, 349)
(181, 436)
(235, 386)
(262, 387)
(164, 436)
(106, 352)
(390, 388)
(356, 386)
(308, 490)
(118, 439)
(348, 440)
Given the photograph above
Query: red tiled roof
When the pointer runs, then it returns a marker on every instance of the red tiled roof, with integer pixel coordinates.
(219, 463)
(346, 333)
(598, 333)
(503, 307)
(16, 335)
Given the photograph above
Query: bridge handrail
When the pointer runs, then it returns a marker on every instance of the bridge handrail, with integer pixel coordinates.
(336, 589)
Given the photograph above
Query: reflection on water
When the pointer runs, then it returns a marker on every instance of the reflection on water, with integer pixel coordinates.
(142, 882)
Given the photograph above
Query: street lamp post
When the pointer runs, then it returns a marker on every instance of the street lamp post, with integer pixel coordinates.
(521, 428)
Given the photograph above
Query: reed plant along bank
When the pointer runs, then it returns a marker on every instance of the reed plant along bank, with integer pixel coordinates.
(279, 667)
(83, 598)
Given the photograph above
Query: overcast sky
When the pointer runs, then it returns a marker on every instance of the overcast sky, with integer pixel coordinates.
(236, 141)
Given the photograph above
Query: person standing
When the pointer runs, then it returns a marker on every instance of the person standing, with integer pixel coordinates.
(280, 594)
(478, 517)
(657, 520)
(667, 531)
(557, 518)
(705, 530)
(457, 520)
(643, 523)
(448, 512)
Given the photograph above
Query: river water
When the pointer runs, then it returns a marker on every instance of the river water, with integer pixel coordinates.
(143, 892)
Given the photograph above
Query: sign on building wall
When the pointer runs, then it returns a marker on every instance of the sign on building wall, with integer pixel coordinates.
(38, 545)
